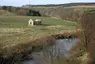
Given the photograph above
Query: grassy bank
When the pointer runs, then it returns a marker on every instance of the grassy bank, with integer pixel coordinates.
(14, 31)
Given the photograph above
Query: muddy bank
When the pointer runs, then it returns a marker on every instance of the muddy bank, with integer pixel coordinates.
(65, 35)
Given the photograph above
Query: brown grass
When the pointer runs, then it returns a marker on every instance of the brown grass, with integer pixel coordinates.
(25, 47)
(85, 46)
(3, 12)
(88, 34)
(82, 6)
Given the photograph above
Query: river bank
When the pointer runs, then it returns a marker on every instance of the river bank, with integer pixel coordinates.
(23, 51)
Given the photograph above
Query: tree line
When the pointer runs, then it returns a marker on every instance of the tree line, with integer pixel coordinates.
(21, 11)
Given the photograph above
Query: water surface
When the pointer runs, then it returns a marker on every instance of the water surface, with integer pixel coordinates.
(59, 49)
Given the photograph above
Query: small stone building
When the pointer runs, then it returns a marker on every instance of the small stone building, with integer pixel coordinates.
(37, 22)
(34, 22)
(30, 22)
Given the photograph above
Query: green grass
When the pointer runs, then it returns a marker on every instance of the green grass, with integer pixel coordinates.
(22, 21)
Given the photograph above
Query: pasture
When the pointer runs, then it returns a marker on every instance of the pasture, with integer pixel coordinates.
(14, 30)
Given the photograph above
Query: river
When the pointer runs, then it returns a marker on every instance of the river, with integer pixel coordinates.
(59, 49)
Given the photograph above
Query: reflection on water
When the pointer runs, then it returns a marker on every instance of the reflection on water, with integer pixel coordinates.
(59, 49)
(64, 45)
(29, 62)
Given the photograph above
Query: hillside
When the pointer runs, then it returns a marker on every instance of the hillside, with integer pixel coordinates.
(63, 5)
(6, 13)
(81, 6)
(69, 11)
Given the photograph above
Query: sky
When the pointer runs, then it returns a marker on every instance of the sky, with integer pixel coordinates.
(37, 2)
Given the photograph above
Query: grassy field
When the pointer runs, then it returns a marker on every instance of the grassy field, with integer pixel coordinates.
(14, 30)
(22, 21)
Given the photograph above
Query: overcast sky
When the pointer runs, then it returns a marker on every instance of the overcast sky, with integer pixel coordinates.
(23, 2)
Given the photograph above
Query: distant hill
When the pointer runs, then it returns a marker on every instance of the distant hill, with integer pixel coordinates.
(6, 13)
(63, 5)
(3, 12)
(11, 10)
(69, 11)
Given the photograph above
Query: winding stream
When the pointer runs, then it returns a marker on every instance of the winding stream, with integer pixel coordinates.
(60, 49)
